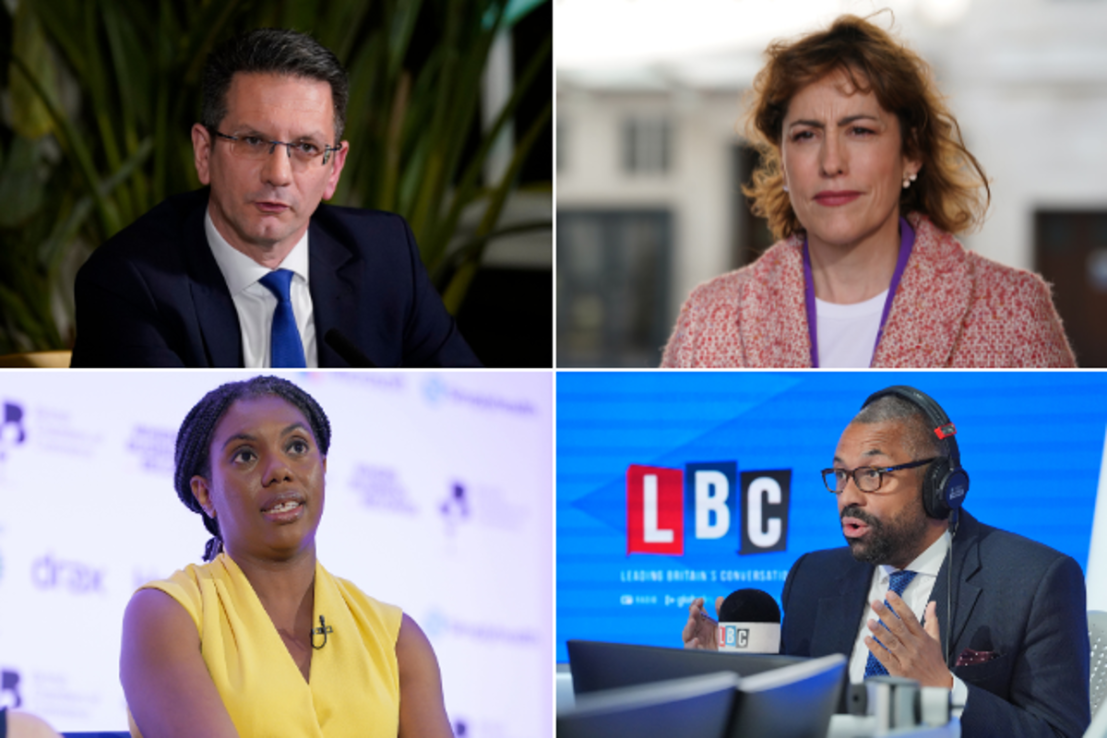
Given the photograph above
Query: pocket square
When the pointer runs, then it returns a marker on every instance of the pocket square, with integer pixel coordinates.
(970, 657)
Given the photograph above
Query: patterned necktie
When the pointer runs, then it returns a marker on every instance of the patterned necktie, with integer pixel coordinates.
(286, 348)
(897, 583)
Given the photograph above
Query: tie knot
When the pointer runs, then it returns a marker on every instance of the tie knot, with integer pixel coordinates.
(899, 581)
(278, 282)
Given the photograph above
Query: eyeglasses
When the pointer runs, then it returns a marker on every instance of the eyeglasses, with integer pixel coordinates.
(867, 478)
(304, 154)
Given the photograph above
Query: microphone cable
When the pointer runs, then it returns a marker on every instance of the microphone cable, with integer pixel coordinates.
(949, 586)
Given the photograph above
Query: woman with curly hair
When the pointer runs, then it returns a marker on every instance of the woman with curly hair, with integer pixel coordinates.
(865, 178)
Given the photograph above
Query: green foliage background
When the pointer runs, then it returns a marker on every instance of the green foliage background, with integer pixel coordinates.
(99, 97)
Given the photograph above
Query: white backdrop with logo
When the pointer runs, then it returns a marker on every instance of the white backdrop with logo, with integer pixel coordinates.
(439, 499)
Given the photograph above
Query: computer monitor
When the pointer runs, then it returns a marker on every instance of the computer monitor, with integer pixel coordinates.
(597, 665)
(794, 701)
(563, 679)
(698, 706)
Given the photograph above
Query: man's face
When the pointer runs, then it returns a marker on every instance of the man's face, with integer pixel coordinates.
(888, 526)
(263, 207)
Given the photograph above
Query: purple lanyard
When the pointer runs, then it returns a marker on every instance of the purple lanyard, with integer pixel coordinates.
(906, 242)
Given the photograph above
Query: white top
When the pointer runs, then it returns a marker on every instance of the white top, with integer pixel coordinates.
(254, 302)
(847, 333)
(916, 596)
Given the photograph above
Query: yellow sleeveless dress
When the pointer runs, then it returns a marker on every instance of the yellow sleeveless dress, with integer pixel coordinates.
(354, 688)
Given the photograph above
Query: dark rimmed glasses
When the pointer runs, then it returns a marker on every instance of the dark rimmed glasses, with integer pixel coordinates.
(303, 154)
(867, 478)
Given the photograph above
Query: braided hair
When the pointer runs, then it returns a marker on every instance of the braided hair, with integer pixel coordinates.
(192, 456)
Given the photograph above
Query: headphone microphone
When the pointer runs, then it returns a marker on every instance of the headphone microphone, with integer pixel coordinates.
(945, 484)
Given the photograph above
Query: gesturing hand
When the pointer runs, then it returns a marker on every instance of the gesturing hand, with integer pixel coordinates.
(909, 649)
(699, 631)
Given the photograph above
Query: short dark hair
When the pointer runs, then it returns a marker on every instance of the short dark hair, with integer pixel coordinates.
(272, 51)
(194, 437)
(919, 437)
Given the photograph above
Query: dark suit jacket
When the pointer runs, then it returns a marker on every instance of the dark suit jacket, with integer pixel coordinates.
(1010, 595)
(153, 295)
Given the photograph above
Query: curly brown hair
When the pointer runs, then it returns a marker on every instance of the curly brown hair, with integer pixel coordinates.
(949, 185)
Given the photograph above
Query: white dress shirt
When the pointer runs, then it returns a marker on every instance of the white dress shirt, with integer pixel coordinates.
(916, 597)
(254, 302)
(847, 333)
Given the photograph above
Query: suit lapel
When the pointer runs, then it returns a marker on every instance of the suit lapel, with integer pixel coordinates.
(333, 291)
(839, 617)
(966, 563)
(215, 311)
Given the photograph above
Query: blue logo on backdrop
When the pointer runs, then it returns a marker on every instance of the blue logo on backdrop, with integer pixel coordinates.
(381, 488)
(434, 623)
(154, 447)
(9, 689)
(434, 389)
(455, 508)
(12, 430)
(50, 573)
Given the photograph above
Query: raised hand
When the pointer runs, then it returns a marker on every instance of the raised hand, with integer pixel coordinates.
(699, 631)
(909, 649)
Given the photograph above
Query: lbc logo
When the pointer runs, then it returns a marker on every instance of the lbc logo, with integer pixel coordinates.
(732, 636)
(709, 497)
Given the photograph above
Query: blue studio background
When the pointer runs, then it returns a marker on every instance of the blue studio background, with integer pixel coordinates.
(1032, 443)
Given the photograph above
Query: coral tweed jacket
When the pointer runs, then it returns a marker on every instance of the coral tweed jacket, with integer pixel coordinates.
(953, 308)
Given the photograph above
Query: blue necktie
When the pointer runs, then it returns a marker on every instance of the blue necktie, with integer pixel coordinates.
(286, 348)
(896, 583)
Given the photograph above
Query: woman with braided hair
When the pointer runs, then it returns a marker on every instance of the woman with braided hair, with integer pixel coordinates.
(261, 639)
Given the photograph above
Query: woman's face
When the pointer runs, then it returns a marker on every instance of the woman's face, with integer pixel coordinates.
(843, 163)
(267, 479)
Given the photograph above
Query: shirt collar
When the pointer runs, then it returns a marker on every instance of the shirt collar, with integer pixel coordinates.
(928, 562)
(239, 270)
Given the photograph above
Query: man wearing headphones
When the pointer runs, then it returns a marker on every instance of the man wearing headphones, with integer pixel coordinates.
(1017, 655)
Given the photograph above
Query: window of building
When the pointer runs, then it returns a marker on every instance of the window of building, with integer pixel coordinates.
(1071, 254)
(612, 287)
(646, 145)
(561, 145)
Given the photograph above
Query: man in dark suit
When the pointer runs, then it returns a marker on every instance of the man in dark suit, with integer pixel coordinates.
(252, 270)
(1017, 655)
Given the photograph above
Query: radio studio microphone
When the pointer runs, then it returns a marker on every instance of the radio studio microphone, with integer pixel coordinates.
(345, 348)
(749, 622)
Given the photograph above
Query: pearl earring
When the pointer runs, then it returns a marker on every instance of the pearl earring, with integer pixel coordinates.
(786, 188)
(909, 179)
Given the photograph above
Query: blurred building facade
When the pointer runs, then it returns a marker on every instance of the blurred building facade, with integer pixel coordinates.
(650, 161)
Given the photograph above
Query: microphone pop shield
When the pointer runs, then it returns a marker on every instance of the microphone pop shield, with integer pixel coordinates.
(749, 622)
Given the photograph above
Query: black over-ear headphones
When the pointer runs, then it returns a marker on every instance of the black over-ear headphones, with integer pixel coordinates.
(945, 483)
